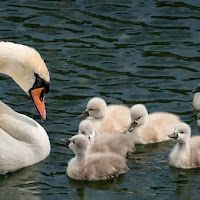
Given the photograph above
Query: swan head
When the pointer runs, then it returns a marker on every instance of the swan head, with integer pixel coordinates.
(139, 115)
(26, 67)
(37, 92)
(182, 132)
(78, 144)
(96, 108)
(86, 128)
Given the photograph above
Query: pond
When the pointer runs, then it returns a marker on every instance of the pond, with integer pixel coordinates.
(127, 52)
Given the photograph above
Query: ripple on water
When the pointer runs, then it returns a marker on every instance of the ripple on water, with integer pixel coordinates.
(123, 51)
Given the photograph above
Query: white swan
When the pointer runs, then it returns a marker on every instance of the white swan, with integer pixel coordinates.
(92, 166)
(186, 154)
(196, 99)
(23, 141)
(121, 144)
(151, 128)
(107, 119)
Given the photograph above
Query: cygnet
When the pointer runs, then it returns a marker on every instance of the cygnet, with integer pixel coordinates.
(198, 119)
(196, 99)
(107, 119)
(186, 153)
(151, 128)
(121, 144)
(96, 166)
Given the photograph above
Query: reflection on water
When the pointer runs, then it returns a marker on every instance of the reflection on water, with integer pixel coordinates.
(21, 185)
(123, 51)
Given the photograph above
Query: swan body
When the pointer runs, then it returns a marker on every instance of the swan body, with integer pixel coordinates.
(186, 153)
(107, 119)
(23, 141)
(121, 144)
(151, 128)
(92, 166)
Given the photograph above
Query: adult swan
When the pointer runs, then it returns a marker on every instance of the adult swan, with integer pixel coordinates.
(23, 141)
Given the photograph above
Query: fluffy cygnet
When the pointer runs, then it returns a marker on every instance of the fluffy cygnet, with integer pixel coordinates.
(198, 119)
(96, 166)
(186, 153)
(150, 128)
(107, 119)
(121, 144)
(196, 99)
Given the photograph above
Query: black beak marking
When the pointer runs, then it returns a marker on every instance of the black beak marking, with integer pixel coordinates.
(196, 89)
(84, 114)
(173, 135)
(66, 142)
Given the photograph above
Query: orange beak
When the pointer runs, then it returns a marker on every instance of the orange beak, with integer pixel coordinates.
(37, 95)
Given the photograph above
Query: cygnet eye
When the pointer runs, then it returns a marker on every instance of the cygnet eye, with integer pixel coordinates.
(138, 118)
(91, 109)
(83, 132)
(74, 142)
(181, 132)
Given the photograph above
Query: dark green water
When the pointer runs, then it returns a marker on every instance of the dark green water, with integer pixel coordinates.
(127, 52)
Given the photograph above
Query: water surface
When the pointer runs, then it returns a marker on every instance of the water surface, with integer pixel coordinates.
(127, 52)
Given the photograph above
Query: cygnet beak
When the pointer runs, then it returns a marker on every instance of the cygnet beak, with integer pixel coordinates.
(84, 114)
(132, 126)
(173, 135)
(196, 89)
(66, 142)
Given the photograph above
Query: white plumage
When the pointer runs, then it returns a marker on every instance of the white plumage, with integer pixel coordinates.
(186, 153)
(196, 99)
(121, 144)
(107, 119)
(92, 166)
(23, 141)
(151, 128)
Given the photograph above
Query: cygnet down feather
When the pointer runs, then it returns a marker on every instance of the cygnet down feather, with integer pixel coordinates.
(107, 119)
(186, 153)
(198, 119)
(93, 166)
(151, 128)
(196, 99)
(121, 144)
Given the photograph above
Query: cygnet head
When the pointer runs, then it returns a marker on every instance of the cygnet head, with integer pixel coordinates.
(182, 132)
(196, 89)
(139, 115)
(79, 144)
(96, 108)
(86, 128)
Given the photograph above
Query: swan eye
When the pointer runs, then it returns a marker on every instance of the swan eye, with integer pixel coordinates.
(35, 74)
(42, 95)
